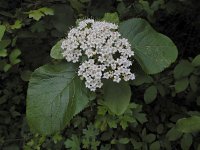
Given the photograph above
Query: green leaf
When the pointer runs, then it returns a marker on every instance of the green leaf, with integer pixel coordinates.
(188, 125)
(36, 14)
(116, 96)
(4, 43)
(150, 94)
(149, 138)
(181, 85)
(25, 75)
(186, 142)
(136, 145)
(173, 134)
(62, 21)
(145, 5)
(13, 57)
(47, 11)
(17, 25)
(2, 30)
(7, 67)
(73, 143)
(39, 13)
(160, 128)
(155, 146)
(196, 61)
(3, 53)
(157, 5)
(161, 89)
(153, 51)
(141, 79)
(140, 117)
(78, 6)
(57, 138)
(183, 69)
(111, 17)
(56, 51)
(123, 140)
(55, 94)
(194, 82)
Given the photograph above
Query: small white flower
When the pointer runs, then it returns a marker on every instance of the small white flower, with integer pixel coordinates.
(107, 53)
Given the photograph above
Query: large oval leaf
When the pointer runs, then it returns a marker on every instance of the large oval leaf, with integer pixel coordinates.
(55, 95)
(153, 51)
(116, 96)
(189, 125)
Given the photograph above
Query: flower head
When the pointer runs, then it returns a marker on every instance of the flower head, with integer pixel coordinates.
(106, 54)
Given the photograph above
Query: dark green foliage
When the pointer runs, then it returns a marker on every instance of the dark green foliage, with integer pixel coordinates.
(164, 108)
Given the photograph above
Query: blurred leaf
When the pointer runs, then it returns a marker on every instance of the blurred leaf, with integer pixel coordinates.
(188, 125)
(121, 8)
(157, 4)
(13, 57)
(141, 79)
(183, 69)
(160, 128)
(136, 145)
(35, 14)
(116, 96)
(149, 138)
(150, 94)
(56, 51)
(145, 5)
(155, 146)
(141, 117)
(186, 142)
(181, 85)
(2, 30)
(196, 61)
(77, 5)
(194, 82)
(38, 27)
(173, 134)
(89, 138)
(47, 11)
(16, 25)
(3, 53)
(25, 75)
(57, 138)
(73, 143)
(7, 67)
(123, 140)
(39, 13)
(62, 21)
(161, 89)
(4, 43)
(111, 17)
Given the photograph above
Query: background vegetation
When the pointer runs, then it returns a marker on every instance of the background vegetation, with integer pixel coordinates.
(34, 26)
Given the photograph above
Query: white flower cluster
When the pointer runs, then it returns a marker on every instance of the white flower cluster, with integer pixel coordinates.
(103, 53)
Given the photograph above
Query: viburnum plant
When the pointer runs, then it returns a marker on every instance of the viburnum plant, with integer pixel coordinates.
(95, 60)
